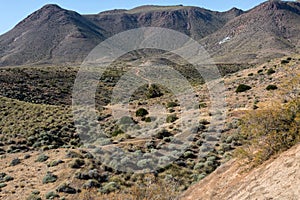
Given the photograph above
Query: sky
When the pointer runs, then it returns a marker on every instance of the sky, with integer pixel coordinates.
(13, 11)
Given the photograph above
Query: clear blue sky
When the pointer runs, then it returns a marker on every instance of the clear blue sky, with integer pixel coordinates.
(13, 11)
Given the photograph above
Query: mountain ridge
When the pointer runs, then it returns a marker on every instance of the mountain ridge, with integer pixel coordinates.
(55, 35)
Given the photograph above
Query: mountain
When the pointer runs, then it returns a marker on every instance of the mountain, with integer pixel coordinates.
(193, 21)
(267, 31)
(50, 34)
(55, 35)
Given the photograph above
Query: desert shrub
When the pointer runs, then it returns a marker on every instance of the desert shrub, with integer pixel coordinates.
(148, 119)
(171, 118)
(172, 104)
(204, 122)
(162, 134)
(259, 71)
(116, 132)
(8, 178)
(49, 178)
(66, 188)
(42, 158)
(250, 74)
(36, 192)
(189, 154)
(91, 184)
(51, 195)
(104, 141)
(268, 132)
(26, 156)
(55, 163)
(154, 91)
(270, 71)
(126, 120)
(209, 166)
(109, 187)
(199, 166)
(226, 147)
(15, 162)
(150, 190)
(77, 163)
(202, 105)
(141, 112)
(212, 158)
(242, 88)
(285, 61)
(73, 154)
(33, 197)
(144, 163)
(271, 87)
(2, 185)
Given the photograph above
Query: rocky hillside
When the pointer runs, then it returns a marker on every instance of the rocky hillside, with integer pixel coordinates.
(55, 35)
(267, 31)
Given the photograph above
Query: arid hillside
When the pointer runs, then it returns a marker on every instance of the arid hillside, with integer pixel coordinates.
(279, 178)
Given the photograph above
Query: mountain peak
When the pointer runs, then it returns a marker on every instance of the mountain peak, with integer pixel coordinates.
(235, 11)
(51, 7)
(43, 13)
(276, 5)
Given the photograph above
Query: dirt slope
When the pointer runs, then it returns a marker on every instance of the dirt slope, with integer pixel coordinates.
(279, 178)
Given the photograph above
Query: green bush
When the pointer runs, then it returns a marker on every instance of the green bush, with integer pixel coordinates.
(242, 88)
(141, 112)
(271, 87)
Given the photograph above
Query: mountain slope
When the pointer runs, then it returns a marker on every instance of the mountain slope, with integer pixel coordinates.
(267, 31)
(193, 21)
(50, 34)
